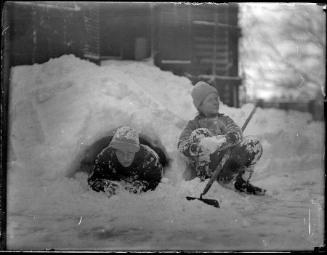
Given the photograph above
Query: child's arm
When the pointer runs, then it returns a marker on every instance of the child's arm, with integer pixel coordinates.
(149, 173)
(152, 173)
(102, 171)
(184, 142)
(233, 132)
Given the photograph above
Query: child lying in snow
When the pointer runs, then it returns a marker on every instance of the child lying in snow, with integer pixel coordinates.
(207, 134)
(127, 164)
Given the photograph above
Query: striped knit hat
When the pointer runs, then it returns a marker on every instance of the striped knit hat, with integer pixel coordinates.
(125, 138)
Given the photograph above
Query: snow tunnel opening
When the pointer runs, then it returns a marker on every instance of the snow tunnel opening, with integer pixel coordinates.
(86, 162)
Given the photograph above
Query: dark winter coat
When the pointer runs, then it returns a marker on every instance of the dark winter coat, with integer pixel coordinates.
(90, 154)
(145, 168)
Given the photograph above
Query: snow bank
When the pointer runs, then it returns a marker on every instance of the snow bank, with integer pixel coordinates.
(65, 104)
(59, 108)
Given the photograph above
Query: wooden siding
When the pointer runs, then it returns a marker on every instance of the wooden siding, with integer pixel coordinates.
(38, 33)
(197, 41)
(201, 42)
(121, 26)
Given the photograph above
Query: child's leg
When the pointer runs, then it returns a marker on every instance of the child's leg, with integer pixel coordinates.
(240, 166)
(242, 184)
(189, 172)
(248, 152)
(200, 164)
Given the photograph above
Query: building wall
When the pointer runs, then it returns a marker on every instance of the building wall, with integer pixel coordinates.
(38, 33)
(121, 27)
(200, 42)
(197, 41)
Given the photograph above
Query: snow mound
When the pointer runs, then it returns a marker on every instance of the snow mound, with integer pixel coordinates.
(60, 107)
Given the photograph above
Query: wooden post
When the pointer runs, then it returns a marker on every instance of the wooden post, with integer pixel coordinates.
(92, 45)
(214, 46)
(34, 34)
(152, 29)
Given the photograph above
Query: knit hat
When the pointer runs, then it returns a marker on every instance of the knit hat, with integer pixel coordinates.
(125, 138)
(200, 91)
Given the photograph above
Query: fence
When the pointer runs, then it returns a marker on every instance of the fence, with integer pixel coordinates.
(314, 107)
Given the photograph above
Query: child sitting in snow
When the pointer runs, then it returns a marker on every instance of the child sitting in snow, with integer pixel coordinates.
(206, 136)
(127, 164)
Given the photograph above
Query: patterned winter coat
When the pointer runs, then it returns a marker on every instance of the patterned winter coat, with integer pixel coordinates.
(145, 169)
(218, 125)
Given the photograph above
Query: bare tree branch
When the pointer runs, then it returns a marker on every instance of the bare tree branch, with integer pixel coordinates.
(286, 47)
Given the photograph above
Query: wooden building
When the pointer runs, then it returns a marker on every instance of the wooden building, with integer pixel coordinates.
(39, 31)
(199, 41)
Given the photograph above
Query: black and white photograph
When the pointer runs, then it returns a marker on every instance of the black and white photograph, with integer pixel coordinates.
(163, 126)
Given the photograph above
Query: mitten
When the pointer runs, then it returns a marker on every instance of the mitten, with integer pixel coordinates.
(98, 185)
(135, 186)
(110, 188)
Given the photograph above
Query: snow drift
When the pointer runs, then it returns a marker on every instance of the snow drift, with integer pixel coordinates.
(59, 108)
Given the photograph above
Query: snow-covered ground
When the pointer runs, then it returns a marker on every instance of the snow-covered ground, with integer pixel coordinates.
(60, 107)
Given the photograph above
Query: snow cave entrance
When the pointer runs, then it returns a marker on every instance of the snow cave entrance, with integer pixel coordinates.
(91, 152)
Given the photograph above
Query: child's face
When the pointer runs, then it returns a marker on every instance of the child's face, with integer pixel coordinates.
(125, 157)
(210, 105)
